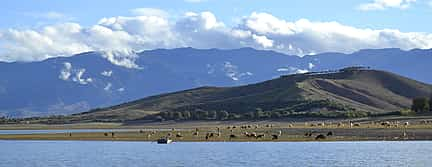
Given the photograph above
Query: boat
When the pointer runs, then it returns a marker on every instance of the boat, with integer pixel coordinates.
(164, 140)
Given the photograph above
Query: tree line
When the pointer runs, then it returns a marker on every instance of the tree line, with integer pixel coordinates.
(258, 114)
(422, 104)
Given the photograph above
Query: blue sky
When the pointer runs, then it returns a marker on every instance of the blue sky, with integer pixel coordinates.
(38, 29)
(19, 13)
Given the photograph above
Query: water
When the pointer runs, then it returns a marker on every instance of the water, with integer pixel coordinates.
(2, 132)
(250, 154)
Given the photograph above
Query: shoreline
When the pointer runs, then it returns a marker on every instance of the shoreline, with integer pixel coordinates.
(262, 131)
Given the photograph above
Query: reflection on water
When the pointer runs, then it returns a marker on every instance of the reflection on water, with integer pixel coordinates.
(74, 131)
(250, 154)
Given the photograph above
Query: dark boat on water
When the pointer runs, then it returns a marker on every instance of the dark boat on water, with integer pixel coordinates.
(164, 140)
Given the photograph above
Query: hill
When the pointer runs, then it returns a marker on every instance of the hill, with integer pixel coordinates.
(351, 90)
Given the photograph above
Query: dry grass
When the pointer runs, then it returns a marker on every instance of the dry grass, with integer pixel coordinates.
(290, 132)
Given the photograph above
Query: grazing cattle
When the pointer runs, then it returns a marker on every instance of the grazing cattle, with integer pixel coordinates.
(105, 134)
(386, 123)
(290, 125)
(330, 133)
(406, 123)
(253, 134)
(275, 137)
(308, 134)
(356, 125)
(141, 131)
(179, 135)
(232, 136)
(321, 124)
(340, 124)
(112, 134)
(320, 137)
(196, 133)
(260, 136)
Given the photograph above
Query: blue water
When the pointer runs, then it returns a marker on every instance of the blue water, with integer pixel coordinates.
(2, 132)
(202, 154)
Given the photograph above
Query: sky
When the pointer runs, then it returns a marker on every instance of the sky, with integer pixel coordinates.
(34, 30)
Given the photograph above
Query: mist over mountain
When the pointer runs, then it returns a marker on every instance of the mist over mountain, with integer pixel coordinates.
(66, 85)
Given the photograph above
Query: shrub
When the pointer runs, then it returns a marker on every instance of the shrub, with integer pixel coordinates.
(420, 104)
(406, 112)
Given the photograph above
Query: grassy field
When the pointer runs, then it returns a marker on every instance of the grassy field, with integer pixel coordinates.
(238, 131)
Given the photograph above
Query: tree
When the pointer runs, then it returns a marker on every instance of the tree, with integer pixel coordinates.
(430, 103)
(200, 114)
(259, 113)
(212, 115)
(249, 115)
(178, 116)
(276, 114)
(420, 104)
(222, 115)
(187, 115)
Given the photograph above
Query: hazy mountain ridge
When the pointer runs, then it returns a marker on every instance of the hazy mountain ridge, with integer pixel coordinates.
(42, 88)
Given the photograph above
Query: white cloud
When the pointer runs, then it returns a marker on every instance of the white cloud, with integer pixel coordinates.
(292, 70)
(311, 65)
(263, 41)
(65, 73)
(125, 59)
(385, 4)
(78, 78)
(108, 87)
(232, 71)
(119, 38)
(51, 15)
(121, 89)
(149, 12)
(107, 73)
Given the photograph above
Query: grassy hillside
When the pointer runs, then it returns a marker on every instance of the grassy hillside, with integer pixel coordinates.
(348, 90)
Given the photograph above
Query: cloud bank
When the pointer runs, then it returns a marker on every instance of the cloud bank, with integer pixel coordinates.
(385, 4)
(119, 38)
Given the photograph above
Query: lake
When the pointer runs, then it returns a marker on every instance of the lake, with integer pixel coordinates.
(122, 154)
(50, 131)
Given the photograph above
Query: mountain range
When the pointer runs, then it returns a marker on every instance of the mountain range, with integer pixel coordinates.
(66, 85)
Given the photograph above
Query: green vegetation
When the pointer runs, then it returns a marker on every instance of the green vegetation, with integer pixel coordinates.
(421, 104)
(430, 103)
(406, 112)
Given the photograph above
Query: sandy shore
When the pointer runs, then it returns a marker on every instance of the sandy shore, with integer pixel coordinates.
(256, 131)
